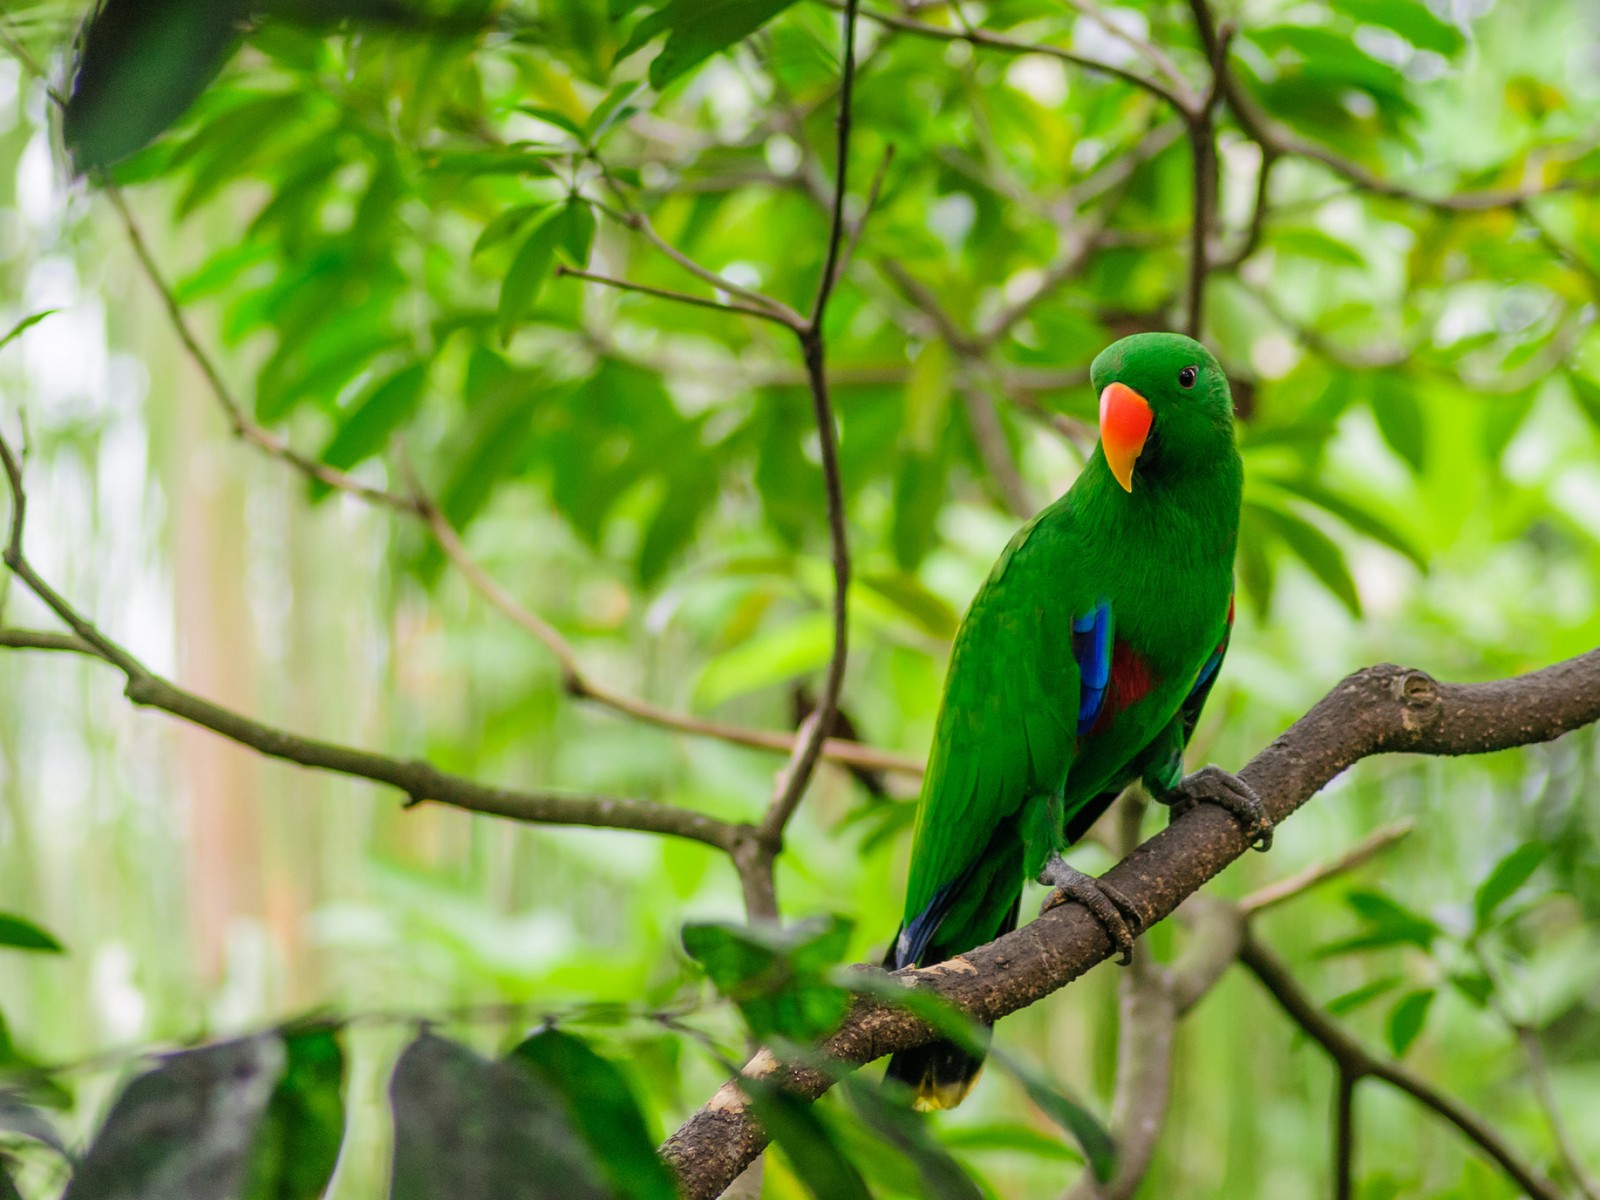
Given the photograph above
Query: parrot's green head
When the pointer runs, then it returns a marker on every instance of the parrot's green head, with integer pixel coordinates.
(1164, 406)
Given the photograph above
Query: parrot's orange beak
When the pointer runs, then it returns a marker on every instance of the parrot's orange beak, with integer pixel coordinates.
(1124, 425)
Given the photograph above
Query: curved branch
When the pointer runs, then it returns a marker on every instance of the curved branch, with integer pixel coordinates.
(1355, 1062)
(1383, 709)
(420, 781)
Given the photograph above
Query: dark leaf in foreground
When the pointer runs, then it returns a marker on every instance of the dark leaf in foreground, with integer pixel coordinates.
(140, 65)
(184, 1131)
(464, 1126)
(602, 1107)
(300, 1138)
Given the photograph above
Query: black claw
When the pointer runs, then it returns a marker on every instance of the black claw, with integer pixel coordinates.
(1105, 903)
(1213, 785)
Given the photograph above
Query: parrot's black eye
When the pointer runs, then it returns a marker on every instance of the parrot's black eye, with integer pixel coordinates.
(1187, 376)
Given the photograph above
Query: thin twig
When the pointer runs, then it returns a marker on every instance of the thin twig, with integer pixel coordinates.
(625, 285)
(995, 41)
(1203, 149)
(792, 780)
(239, 421)
(1368, 848)
(579, 682)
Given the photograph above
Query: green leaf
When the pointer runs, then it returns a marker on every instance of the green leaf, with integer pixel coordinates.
(1389, 923)
(1407, 1018)
(775, 656)
(896, 1125)
(18, 933)
(1355, 515)
(140, 65)
(1314, 548)
(528, 271)
(1008, 1138)
(551, 116)
(1400, 418)
(388, 405)
(1359, 997)
(697, 29)
(1475, 986)
(506, 225)
(464, 1126)
(1307, 242)
(300, 1139)
(185, 1130)
(1586, 394)
(27, 323)
(1097, 1144)
(1412, 20)
(602, 1106)
(1508, 875)
(776, 975)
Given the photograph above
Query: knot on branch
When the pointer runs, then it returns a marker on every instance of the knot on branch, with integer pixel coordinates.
(142, 691)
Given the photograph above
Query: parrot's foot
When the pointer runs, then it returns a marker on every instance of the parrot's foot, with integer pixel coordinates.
(1213, 785)
(1107, 905)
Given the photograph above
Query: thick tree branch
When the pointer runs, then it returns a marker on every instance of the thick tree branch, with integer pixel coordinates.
(420, 781)
(1383, 709)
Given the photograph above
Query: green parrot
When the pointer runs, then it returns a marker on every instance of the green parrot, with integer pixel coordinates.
(1080, 668)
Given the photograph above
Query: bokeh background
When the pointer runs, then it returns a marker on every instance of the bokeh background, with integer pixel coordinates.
(1419, 391)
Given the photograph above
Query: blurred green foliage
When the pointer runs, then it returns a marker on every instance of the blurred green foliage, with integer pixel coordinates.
(368, 222)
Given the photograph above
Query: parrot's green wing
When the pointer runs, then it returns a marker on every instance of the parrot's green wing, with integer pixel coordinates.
(1005, 738)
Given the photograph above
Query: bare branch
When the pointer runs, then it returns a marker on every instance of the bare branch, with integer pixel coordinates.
(1298, 884)
(994, 41)
(792, 780)
(1203, 149)
(1383, 709)
(1354, 1062)
(420, 781)
(644, 289)
(239, 421)
(581, 684)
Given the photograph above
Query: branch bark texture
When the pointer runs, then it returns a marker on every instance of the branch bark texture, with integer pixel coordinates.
(1383, 709)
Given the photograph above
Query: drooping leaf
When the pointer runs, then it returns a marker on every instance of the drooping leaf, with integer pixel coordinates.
(27, 323)
(697, 29)
(300, 1139)
(1400, 418)
(1411, 19)
(529, 270)
(810, 1146)
(185, 1130)
(1407, 1019)
(777, 976)
(18, 933)
(1360, 997)
(1315, 549)
(26, 1120)
(464, 1126)
(1508, 875)
(373, 420)
(601, 1105)
(894, 1122)
(1389, 923)
(140, 65)
(1098, 1146)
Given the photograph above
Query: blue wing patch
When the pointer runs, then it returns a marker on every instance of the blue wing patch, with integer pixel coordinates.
(914, 938)
(1091, 647)
(1207, 672)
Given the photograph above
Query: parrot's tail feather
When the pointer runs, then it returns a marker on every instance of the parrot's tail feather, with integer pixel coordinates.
(940, 1074)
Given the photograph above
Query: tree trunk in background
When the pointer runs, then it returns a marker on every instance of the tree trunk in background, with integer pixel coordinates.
(216, 652)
